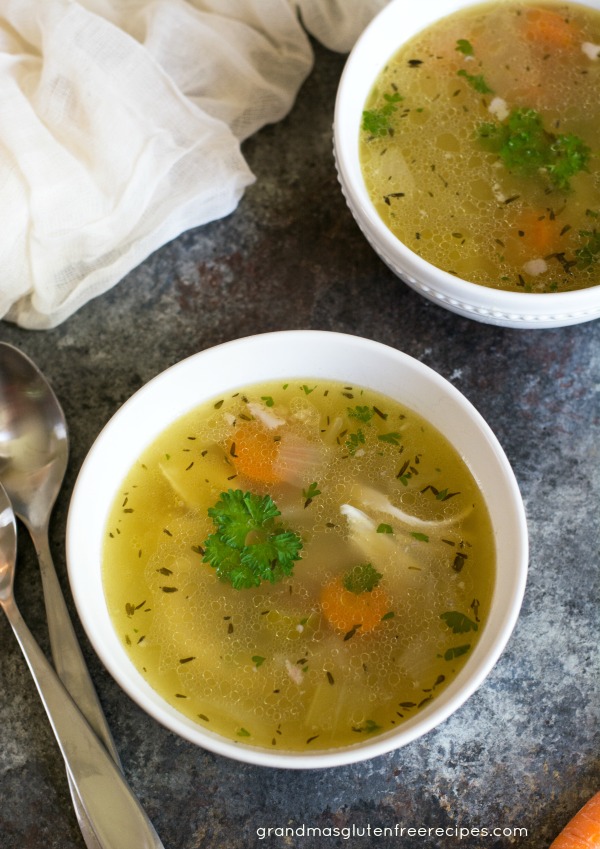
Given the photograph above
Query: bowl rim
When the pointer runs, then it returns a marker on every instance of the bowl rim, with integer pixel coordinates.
(110, 457)
(365, 61)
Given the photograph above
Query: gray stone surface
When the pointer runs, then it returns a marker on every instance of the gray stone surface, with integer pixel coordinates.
(522, 753)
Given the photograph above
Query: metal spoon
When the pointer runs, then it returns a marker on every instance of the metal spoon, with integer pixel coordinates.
(116, 816)
(33, 461)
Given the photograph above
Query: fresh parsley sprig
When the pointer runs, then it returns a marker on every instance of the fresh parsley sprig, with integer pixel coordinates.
(363, 578)
(363, 414)
(526, 147)
(310, 493)
(589, 252)
(377, 122)
(476, 81)
(249, 545)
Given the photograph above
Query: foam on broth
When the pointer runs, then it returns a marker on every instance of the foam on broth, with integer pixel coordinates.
(360, 479)
(449, 195)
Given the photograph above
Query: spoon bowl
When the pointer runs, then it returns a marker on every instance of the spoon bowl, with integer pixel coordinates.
(33, 438)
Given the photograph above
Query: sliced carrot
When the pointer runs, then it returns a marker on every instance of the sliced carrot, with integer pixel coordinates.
(549, 28)
(539, 232)
(346, 610)
(583, 831)
(254, 451)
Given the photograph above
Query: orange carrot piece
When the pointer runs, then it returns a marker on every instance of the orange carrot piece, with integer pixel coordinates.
(549, 28)
(346, 610)
(583, 831)
(254, 452)
(539, 233)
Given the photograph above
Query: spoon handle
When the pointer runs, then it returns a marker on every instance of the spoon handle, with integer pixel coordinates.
(66, 651)
(116, 816)
(72, 670)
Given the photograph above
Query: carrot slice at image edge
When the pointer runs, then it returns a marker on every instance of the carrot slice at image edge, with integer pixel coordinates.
(583, 831)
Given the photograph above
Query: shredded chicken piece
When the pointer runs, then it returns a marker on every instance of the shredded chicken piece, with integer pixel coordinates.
(499, 108)
(294, 672)
(269, 419)
(375, 500)
(592, 51)
(382, 549)
(535, 267)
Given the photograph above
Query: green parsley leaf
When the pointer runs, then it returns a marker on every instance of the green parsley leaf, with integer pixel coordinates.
(310, 493)
(589, 252)
(527, 148)
(354, 441)
(269, 402)
(456, 651)
(570, 155)
(459, 623)
(363, 414)
(419, 536)
(376, 122)
(465, 47)
(257, 660)
(384, 529)
(393, 438)
(476, 81)
(444, 494)
(249, 545)
(362, 579)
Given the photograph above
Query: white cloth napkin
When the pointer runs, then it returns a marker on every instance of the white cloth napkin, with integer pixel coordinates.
(121, 123)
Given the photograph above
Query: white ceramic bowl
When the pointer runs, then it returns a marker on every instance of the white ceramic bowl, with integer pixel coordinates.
(288, 354)
(396, 23)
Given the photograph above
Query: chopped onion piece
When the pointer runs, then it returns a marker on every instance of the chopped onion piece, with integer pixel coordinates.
(298, 460)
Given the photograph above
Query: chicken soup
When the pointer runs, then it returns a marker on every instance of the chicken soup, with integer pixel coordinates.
(479, 145)
(299, 565)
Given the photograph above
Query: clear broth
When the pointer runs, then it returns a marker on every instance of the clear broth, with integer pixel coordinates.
(265, 665)
(438, 185)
